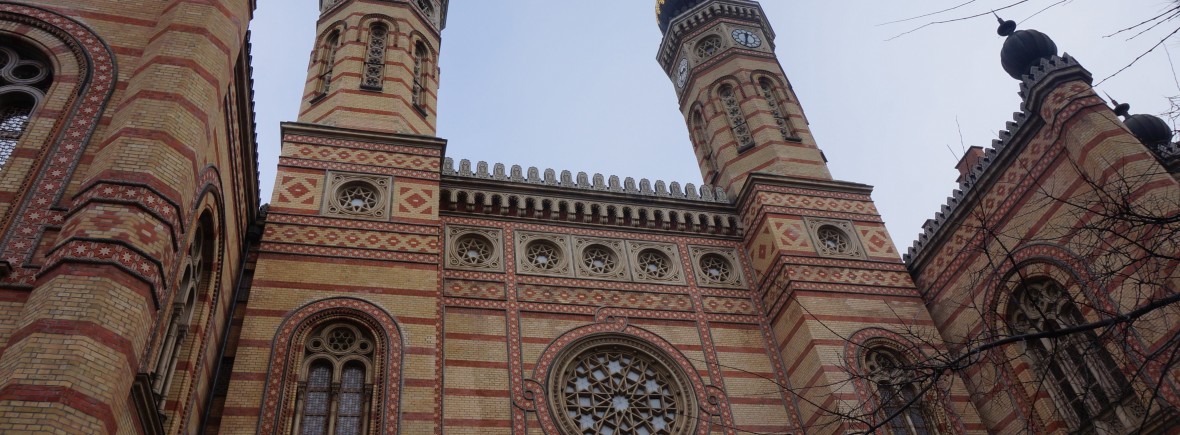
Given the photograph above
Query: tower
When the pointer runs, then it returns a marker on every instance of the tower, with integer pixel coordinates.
(743, 117)
(374, 66)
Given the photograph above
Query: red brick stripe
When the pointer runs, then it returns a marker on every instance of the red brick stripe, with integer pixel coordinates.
(91, 330)
(66, 396)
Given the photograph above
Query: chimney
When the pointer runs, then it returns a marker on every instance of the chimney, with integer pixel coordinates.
(970, 158)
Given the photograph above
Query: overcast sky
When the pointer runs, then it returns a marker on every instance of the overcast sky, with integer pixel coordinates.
(573, 84)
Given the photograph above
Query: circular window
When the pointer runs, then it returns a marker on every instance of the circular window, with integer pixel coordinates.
(357, 198)
(543, 255)
(716, 269)
(833, 241)
(619, 386)
(708, 46)
(474, 250)
(599, 260)
(654, 264)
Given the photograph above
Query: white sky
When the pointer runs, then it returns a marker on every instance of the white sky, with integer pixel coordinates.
(573, 84)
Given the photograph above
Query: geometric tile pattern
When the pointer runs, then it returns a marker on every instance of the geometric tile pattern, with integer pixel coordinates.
(473, 289)
(363, 157)
(415, 201)
(353, 238)
(299, 191)
(599, 298)
(729, 305)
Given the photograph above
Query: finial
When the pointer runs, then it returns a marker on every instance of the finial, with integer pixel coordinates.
(1007, 27)
(1120, 109)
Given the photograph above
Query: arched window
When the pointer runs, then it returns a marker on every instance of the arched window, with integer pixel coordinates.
(737, 118)
(25, 75)
(375, 58)
(335, 392)
(194, 278)
(1089, 390)
(898, 397)
(328, 60)
(777, 109)
(427, 8)
(419, 72)
(701, 139)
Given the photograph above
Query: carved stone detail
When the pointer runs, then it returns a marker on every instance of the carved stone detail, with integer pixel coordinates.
(717, 267)
(358, 196)
(474, 248)
(655, 262)
(543, 254)
(834, 238)
(601, 259)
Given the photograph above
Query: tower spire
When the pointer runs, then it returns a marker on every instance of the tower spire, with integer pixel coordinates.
(374, 66)
(742, 113)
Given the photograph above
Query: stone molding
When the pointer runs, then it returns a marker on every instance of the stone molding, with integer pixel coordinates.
(381, 186)
(562, 264)
(621, 270)
(675, 273)
(855, 249)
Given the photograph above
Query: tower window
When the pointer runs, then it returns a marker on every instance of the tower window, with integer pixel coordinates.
(328, 61)
(777, 110)
(737, 118)
(701, 141)
(419, 72)
(24, 78)
(708, 47)
(375, 58)
(194, 279)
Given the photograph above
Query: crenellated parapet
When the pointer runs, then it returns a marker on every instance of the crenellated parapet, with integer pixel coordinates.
(1034, 88)
(583, 181)
(584, 199)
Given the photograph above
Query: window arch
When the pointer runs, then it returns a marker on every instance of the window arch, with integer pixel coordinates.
(737, 118)
(25, 76)
(328, 60)
(778, 109)
(335, 393)
(375, 57)
(420, 57)
(1089, 390)
(195, 277)
(894, 389)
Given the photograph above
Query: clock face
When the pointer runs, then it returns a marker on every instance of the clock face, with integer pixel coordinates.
(682, 73)
(747, 38)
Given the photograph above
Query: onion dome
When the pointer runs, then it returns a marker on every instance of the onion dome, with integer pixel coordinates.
(666, 10)
(1149, 129)
(1023, 49)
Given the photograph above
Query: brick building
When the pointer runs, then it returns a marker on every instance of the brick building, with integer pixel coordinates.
(388, 288)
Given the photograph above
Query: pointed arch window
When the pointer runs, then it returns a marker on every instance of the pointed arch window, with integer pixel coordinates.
(897, 395)
(375, 57)
(737, 118)
(194, 279)
(1090, 391)
(701, 140)
(335, 393)
(328, 60)
(419, 72)
(25, 76)
(777, 109)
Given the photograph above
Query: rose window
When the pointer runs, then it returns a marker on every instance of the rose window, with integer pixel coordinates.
(716, 269)
(474, 250)
(357, 198)
(833, 241)
(654, 264)
(543, 255)
(618, 389)
(709, 46)
(599, 260)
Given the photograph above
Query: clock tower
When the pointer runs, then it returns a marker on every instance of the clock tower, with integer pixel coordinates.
(742, 114)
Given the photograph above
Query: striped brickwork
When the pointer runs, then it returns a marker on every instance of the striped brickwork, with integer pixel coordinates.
(389, 108)
(820, 307)
(148, 125)
(502, 329)
(387, 267)
(1070, 137)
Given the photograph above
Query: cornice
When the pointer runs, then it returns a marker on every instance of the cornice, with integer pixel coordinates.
(757, 179)
(331, 132)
